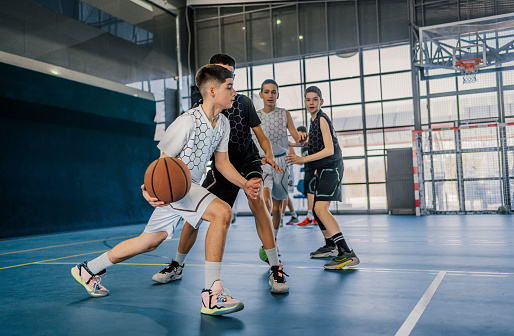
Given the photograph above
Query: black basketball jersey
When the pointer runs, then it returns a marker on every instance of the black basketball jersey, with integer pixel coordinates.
(316, 143)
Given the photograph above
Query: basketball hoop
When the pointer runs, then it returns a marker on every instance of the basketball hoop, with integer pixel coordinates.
(468, 68)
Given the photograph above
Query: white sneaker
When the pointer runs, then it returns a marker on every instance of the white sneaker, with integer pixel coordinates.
(277, 281)
(172, 272)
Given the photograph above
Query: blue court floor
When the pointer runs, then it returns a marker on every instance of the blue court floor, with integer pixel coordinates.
(435, 275)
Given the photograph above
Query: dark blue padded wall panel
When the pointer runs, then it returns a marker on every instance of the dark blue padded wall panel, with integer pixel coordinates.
(64, 168)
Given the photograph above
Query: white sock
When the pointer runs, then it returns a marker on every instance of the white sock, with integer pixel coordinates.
(276, 234)
(212, 272)
(293, 214)
(180, 258)
(309, 214)
(99, 264)
(272, 255)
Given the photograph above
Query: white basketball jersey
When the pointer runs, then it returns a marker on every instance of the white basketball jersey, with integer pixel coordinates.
(274, 125)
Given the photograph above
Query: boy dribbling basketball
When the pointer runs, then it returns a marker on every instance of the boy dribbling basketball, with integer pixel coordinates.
(193, 137)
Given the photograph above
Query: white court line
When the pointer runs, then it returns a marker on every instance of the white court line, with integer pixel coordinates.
(414, 316)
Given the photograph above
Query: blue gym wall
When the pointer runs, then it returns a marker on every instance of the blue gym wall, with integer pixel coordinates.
(73, 155)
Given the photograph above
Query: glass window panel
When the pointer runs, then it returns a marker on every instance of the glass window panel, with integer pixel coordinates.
(160, 129)
(398, 113)
(208, 39)
(157, 88)
(372, 88)
(423, 88)
(258, 38)
(442, 140)
(508, 77)
(171, 83)
(428, 195)
(441, 85)
(312, 25)
(346, 91)
(373, 115)
(479, 105)
(508, 101)
(398, 138)
(159, 112)
(288, 73)
(376, 169)
(241, 79)
(257, 101)
(342, 25)
(354, 197)
(285, 34)
(480, 165)
(325, 91)
(482, 195)
(233, 36)
(445, 166)
(395, 58)
(375, 142)
(260, 74)
(443, 109)
(347, 117)
(352, 143)
(354, 171)
(427, 167)
(479, 137)
(423, 108)
(484, 80)
(185, 104)
(136, 85)
(377, 196)
(291, 97)
(447, 198)
(371, 61)
(298, 118)
(396, 86)
(341, 66)
(316, 69)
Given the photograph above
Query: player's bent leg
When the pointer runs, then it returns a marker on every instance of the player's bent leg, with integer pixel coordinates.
(219, 214)
(145, 242)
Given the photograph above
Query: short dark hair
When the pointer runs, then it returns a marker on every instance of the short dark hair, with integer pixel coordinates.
(301, 129)
(269, 81)
(314, 89)
(211, 72)
(223, 59)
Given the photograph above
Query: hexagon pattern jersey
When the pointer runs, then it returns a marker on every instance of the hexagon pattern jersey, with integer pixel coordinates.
(192, 139)
(242, 118)
(274, 125)
(316, 143)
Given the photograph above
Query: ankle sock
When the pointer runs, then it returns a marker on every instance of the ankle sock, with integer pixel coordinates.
(212, 272)
(180, 258)
(341, 243)
(99, 264)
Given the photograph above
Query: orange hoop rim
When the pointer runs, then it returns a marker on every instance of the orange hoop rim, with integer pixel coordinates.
(468, 64)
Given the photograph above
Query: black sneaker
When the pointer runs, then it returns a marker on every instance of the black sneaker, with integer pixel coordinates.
(172, 272)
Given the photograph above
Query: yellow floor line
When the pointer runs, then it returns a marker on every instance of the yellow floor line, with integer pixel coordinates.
(85, 242)
(43, 261)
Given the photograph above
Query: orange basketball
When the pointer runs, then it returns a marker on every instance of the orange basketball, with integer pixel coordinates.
(168, 179)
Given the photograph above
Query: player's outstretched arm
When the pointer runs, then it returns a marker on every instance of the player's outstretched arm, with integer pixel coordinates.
(266, 147)
(226, 168)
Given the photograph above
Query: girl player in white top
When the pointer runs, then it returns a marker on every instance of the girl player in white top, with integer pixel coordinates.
(275, 122)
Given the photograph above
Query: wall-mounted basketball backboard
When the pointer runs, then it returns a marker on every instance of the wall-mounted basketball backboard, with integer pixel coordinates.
(466, 46)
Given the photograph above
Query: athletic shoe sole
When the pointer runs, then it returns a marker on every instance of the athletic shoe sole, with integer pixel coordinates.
(164, 281)
(349, 263)
(332, 253)
(79, 279)
(222, 311)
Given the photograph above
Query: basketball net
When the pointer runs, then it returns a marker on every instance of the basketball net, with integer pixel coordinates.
(468, 68)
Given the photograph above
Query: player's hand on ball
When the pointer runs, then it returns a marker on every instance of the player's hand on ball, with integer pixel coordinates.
(155, 202)
(252, 188)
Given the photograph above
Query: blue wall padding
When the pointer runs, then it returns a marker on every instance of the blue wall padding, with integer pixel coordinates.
(66, 167)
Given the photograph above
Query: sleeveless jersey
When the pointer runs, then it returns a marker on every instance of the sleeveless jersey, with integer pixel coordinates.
(316, 143)
(274, 125)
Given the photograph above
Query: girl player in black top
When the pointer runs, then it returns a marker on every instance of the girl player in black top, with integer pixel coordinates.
(326, 158)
